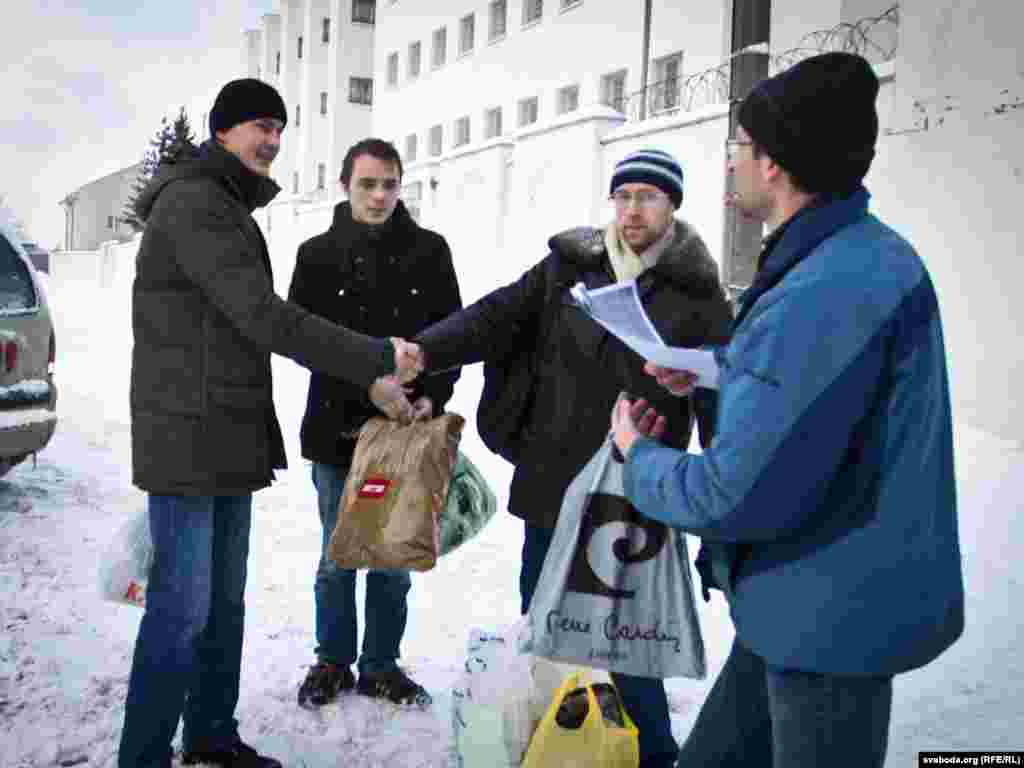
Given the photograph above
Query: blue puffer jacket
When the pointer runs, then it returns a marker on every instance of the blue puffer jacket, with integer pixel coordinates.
(831, 474)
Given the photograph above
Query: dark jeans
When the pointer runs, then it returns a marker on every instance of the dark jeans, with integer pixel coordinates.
(644, 697)
(757, 715)
(385, 609)
(188, 653)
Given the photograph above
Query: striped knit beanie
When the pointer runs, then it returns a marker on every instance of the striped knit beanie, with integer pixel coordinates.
(650, 166)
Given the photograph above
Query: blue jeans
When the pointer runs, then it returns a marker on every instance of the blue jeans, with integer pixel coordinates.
(643, 697)
(385, 610)
(758, 715)
(188, 654)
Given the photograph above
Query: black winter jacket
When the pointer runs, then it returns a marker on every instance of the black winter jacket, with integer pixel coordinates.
(388, 280)
(205, 320)
(581, 368)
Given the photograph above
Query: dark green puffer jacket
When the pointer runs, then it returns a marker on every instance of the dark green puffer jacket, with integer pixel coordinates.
(205, 320)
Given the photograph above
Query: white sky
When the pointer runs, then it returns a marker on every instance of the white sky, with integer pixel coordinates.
(87, 81)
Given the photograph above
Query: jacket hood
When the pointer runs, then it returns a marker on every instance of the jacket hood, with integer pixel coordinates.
(209, 160)
(686, 261)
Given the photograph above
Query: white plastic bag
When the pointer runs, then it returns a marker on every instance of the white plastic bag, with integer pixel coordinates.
(124, 567)
(501, 696)
(491, 713)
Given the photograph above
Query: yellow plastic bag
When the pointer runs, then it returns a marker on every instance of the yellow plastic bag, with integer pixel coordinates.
(596, 743)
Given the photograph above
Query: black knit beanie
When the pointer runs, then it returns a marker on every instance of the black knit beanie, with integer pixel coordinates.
(817, 120)
(242, 100)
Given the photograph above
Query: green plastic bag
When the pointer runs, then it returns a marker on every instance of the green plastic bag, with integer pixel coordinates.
(469, 507)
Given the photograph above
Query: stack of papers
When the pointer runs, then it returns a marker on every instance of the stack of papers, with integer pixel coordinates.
(618, 309)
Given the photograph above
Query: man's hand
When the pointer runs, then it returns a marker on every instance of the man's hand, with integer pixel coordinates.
(679, 383)
(631, 421)
(422, 408)
(408, 359)
(390, 397)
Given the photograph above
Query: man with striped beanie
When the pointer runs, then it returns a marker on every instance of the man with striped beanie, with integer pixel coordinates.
(552, 373)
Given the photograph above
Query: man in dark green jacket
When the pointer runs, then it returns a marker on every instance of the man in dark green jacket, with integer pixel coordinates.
(204, 432)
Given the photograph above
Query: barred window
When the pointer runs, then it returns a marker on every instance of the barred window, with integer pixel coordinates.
(392, 69)
(323, 102)
(321, 176)
(436, 140)
(613, 90)
(466, 33)
(568, 99)
(299, 47)
(440, 53)
(532, 10)
(528, 109)
(414, 59)
(462, 131)
(360, 90)
(325, 34)
(364, 11)
(492, 123)
(410, 148)
(499, 19)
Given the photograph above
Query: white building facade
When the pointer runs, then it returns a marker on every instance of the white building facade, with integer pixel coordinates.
(511, 115)
(319, 55)
(93, 213)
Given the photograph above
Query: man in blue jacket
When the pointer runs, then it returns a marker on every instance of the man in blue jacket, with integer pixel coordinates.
(827, 493)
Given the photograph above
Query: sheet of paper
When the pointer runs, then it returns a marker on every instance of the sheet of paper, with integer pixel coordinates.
(618, 309)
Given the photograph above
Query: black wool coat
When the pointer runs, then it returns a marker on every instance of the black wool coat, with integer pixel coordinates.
(206, 320)
(393, 279)
(580, 367)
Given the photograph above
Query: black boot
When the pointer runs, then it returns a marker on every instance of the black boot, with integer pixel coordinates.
(238, 755)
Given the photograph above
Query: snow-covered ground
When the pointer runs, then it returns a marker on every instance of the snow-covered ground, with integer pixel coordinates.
(65, 653)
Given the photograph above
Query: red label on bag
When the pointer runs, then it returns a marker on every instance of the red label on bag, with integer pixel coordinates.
(374, 488)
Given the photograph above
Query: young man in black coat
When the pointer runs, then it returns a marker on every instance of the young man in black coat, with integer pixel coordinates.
(375, 270)
(579, 368)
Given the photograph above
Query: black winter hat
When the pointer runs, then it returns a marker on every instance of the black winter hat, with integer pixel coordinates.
(242, 100)
(817, 120)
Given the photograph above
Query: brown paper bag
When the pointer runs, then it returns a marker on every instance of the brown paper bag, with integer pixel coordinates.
(388, 514)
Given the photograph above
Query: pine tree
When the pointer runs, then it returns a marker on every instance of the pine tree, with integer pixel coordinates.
(166, 146)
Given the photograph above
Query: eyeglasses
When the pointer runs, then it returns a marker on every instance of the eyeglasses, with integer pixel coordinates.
(643, 199)
(732, 146)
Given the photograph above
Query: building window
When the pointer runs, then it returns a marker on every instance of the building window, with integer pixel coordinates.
(440, 47)
(298, 115)
(295, 183)
(528, 109)
(412, 196)
(364, 11)
(499, 19)
(392, 69)
(321, 176)
(110, 222)
(277, 63)
(414, 59)
(613, 90)
(568, 99)
(325, 31)
(299, 48)
(466, 32)
(492, 123)
(410, 148)
(436, 140)
(360, 90)
(462, 131)
(666, 88)
(532, 11)
(323, 102)
(567, 4)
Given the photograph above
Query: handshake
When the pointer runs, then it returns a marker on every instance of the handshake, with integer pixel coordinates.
(389, 393)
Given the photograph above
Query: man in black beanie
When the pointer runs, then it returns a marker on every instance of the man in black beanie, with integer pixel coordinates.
(827, 496)
(205, 435)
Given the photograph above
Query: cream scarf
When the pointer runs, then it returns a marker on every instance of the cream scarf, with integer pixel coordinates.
(628, 265)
